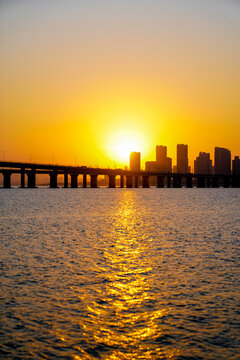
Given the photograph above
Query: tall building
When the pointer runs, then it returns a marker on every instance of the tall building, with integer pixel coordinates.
(161, 153)
(182, 158)
(222, 161)
(236, 166)
(135, 161)
(203, 164)
(163, 163)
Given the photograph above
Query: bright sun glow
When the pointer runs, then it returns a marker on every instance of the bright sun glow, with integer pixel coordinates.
(123, 143)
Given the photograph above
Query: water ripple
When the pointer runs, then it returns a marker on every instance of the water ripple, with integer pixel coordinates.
(119, 274)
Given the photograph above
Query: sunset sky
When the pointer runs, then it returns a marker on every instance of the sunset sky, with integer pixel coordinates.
(80, 81)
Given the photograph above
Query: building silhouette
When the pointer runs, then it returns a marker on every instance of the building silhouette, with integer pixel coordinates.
(163, 163)
(135, 161)
(182, 159)
(203, 164)
(236, 166)
(150, 166)
(222, 161)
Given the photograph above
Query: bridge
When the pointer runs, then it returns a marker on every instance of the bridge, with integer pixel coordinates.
(128, 178)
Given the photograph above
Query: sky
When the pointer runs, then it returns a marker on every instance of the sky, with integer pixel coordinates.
(85, 82)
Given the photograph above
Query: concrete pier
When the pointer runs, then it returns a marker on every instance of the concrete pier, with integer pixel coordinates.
(22, 178)
(168, 181)
(112, 182)
(160, 181)
(84, 180)
(208, 181)
(189, 182)
(236, 181)
(7, 179)
(215, 182)
(31, 179)
(201, 182)
(74, 180)
(53, 180)
(122, 181)
(226, 181)
(65, 180)
(177, 181)
(129, 181)
(136, 181)
(145, 183)
(93, 181)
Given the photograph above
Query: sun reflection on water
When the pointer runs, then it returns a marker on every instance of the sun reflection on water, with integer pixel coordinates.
(121, 317)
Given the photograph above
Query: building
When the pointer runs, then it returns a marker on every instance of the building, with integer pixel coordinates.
(222, 161)
(161, 153)
(182, 158)
(236, 166)
(163, 163)
(135, 161)
(203, 164)
(151, 166)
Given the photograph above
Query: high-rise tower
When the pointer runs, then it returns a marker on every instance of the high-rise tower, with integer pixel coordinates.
(222, 161)
(163, 163)
(203, 164)
(182, 158)
(135, 161)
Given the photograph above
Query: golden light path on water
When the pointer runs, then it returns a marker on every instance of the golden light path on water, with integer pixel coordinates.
(120, 316)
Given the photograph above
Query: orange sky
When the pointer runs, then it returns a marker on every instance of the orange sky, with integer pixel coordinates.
(80, 80)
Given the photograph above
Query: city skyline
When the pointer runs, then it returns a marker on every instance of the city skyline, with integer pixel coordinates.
(223, 163)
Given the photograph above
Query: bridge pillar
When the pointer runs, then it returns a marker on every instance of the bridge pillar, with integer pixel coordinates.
(53, 180)
(84, 180)
(129, 181)
(201, 182)
(136, 181)
(215, 182)
(160, 181)
(22, 178)
(168, 181)
(66, 180)
(7, 179)
(189, 182)
(236, 181)
(145, 181)
(31, 179)
(208, 182)
(226, 181)
(112, 183)
(74, 180)
(177, 181)
(122, 181)
(93, 181)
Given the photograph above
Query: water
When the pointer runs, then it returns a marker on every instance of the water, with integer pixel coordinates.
(119, 273)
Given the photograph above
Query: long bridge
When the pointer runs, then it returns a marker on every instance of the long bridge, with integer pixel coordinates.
(128, 178)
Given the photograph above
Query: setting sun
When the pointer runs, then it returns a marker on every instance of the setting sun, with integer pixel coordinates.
(124, 142)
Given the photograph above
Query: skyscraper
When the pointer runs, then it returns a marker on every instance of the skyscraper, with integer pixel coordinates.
(135, 161)
(163, 163)
(182, 158)
(236, 166)
(161, 153)
(222, 161)
(203, 164)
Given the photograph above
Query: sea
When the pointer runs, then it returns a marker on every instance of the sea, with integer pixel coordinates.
(119, 273)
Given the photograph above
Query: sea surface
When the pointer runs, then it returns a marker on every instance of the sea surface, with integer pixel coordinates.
(119, 273)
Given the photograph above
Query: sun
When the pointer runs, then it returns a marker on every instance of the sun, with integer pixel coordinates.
(125, 147)
(123, 143)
